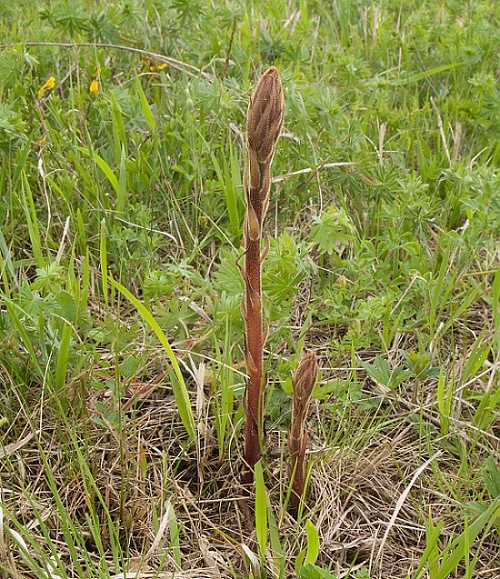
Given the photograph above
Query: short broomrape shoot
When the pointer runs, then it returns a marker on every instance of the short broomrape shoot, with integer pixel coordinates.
(303, 386)
(264, 123)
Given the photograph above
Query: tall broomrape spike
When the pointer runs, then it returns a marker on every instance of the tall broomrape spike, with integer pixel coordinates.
(303, 385)
(264, 123)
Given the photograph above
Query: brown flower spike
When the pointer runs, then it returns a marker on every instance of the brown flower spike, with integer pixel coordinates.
(303, 386)
(264, 123)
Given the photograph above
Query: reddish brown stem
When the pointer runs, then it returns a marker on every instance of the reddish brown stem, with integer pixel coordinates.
(303, 385)
(265, 119)
(297, 471)
(254, 354)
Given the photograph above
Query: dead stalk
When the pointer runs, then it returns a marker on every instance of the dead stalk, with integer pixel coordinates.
(264, 123)
(303, 385)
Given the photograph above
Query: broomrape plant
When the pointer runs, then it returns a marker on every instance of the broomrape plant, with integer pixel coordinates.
(303, 386)
(264, 123)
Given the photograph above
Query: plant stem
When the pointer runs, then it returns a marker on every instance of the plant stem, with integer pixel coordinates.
(264, 123)
(254, 356)
(303, 386)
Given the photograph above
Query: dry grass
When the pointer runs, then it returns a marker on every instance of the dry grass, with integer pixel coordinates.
(390, 119)
(369, 494)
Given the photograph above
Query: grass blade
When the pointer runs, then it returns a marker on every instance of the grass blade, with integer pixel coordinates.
(178, 386)
(32, 221)
(174, 534)
(457, 549)
(103, 254)
(121, 194)
(496, 304)
(146, 109)
(410, 79)
(277, 552)
(431, 549)
(312, 552)
(260, 509)
(62, 358)
(105, 168)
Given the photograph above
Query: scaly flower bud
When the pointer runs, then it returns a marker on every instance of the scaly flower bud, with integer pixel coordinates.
(304, 381)
(265, 115)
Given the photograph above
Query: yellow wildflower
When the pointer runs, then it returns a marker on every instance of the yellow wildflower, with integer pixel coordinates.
(41, 142)
(47, 86)
(153, 67)
(94, 88)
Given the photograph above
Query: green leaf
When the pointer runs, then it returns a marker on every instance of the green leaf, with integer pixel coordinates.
(457, 549)
(312, 543)
(431, 549)
(312, 571)
(178, 386)
(121, 195)
(491, 478)
(174, 533)
(278, 555)
(146, 109)
(410, 79)
(331, 230)
(105, 168)
(62, 358)
(260, 509)
(496, 303)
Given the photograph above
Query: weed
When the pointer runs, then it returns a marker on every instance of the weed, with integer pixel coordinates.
(304, 382)
(265, 120)
(383, 256)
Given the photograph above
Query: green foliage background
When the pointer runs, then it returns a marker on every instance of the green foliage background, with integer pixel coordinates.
(384, 222)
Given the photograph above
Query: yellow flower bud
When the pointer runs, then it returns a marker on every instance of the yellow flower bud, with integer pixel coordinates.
(94, 88)
(49, 84)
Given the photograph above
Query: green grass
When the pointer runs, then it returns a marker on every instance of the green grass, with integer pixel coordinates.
(121, 335)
